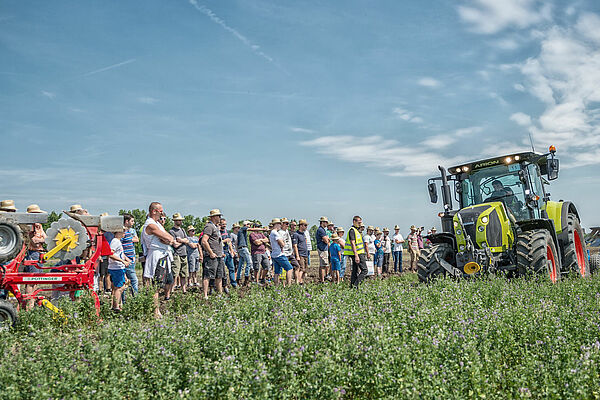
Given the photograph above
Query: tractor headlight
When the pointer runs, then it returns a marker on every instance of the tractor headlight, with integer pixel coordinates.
(517, 158)
(481, 229)
(508, 160)
(459, 232)
(484, 220)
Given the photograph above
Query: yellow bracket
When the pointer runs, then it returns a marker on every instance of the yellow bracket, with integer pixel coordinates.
(59, 313)
(58, 248)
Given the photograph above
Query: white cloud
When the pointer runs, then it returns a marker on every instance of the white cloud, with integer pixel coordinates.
(521, 119)
(147, 100)
(565, 76)
(397, 159)
(429, 82)
(49, 95)
(301, 130)
(407, 116)
(507, 44)
(497, 97)
(447, 139)
(589, 26)
(518, 87)
(493, 16)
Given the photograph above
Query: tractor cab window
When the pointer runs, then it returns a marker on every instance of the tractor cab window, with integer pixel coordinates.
(499, 183)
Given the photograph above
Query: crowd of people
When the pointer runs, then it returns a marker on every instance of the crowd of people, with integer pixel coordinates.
(221, 258)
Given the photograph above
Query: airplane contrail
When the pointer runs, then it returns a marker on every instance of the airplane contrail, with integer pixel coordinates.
(109, 67)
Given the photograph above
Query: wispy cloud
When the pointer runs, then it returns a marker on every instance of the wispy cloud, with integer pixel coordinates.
(447, 139)
(49, 95)
(234, 32)
(407, 116)
(302, 130)
(429, 82)
(97, 71)
(493, 16)
(147, 100)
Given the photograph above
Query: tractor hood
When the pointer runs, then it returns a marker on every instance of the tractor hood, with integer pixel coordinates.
(486, 225)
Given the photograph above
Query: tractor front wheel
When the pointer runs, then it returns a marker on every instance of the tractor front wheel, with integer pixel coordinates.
(428, 266)
(537, 254)
(594, 263)
(574, 255)
(11, 241)
(8, 315)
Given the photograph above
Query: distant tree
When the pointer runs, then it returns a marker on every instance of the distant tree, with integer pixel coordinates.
(313, 236)
(139, 216)
(52, 217)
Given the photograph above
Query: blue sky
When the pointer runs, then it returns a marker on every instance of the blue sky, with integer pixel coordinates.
(299, 109)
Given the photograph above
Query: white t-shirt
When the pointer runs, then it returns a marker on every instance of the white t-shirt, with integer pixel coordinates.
(308, 242)
(276, 250)
(387, 242)
(117, 248)
(370, 241)
(288, 250)
(398, 246)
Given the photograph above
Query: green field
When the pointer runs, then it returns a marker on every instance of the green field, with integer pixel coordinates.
(393, 338)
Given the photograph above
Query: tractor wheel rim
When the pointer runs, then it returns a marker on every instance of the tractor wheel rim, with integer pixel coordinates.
(580, 254)
(551, 264)
(8, 240)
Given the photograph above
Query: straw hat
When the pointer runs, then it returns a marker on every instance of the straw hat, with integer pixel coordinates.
(370, 228)
(214, 213)
(339, 229)
(75, 208)
(323, 219)
(335, 237)
(302, 222)
(177, 217)
(7, 205)
(433, 229)
(104, 214)
(246, 222)
(413, 227)
(275, 221)
(35, 209)
(235, 226)
(396, 227)
(191, 228)
(284, 220)
(362, 225)
(386, 230)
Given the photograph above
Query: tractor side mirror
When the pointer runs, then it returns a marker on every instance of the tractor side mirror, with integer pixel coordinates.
(433, 196)
(552, 167)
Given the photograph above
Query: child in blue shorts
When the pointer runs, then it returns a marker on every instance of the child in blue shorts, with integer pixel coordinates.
(378, 261)
(335, 251)
(117, 262)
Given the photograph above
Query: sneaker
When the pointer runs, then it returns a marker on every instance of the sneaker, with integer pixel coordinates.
(226, 290)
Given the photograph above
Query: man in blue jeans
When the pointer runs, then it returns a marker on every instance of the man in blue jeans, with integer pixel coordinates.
(244, 254)
(128, 241)
(397, 242)
(229, 254)
(280, 261)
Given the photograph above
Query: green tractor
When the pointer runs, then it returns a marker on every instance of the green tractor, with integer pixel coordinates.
(505, 222)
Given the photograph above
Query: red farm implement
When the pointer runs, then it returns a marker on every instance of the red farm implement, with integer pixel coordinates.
(76, 241)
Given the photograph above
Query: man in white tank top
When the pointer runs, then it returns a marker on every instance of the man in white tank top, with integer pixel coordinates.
(157, 242)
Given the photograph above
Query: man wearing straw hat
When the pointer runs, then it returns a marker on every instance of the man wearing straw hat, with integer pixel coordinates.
(180, 264)
(354, 250)
(194, 255)
(413, 248)
(214, 264)
(244, 254)
(301, 250)
(398, 248)
(322, 248)
(387, 249)
(340, 232)
(280, 261)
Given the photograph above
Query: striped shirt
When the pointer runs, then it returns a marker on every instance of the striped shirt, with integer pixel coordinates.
(128, 245)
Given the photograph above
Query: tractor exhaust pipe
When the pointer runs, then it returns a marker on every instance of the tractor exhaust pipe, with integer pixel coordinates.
(446, 194)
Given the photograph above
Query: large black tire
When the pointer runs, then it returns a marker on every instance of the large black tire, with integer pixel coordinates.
(594, 263)
(11, 241)
(8, 315)
(573, 251)
(537, 254)
(428, 267)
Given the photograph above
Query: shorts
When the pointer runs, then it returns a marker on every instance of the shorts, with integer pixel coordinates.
(193, 263)
(214, 268)
(281, 263)
(336, 265)
(303, 264)
(117, 276)
(294, 262)
(378, 260)
(261, 259)
(323, 258)
(103, 266)
(180, 266)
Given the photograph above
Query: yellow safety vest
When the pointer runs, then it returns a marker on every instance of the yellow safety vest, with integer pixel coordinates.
(360, 246)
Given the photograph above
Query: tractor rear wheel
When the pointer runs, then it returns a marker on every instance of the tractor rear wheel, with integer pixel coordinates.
(574, 255)
(428, 267)
(8, 315)
(537, 254)
(594, 263)
(11, 241)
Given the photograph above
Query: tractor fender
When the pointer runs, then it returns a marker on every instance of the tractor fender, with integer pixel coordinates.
(443, 237)
(558, 211)
(547, 224)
